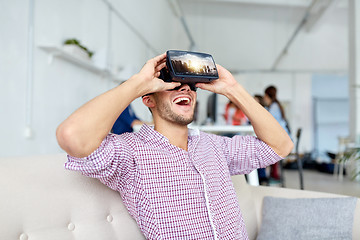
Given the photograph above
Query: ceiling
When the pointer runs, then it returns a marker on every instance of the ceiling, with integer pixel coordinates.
(268, 35)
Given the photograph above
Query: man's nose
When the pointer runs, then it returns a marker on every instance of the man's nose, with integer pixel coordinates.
(184, 87)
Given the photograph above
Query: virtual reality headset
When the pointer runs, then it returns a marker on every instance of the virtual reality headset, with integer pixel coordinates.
(189, 67)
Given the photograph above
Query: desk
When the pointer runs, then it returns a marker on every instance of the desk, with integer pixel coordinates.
(224, 129)
(252, 177)
(217, 129)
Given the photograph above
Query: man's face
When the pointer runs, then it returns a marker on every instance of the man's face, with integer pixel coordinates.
(176, 106)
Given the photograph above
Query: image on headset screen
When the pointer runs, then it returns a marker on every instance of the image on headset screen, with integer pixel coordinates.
(192, 63)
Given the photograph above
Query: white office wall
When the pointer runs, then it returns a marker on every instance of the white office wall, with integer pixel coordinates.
(253, 36)
(331, 112)
(261, 31)
(13, 27)
(61, 87)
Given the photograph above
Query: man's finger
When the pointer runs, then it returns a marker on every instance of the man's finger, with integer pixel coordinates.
(160, 66)
(172, 85)
(159, 58)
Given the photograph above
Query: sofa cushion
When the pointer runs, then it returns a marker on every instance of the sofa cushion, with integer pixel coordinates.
(307, 218)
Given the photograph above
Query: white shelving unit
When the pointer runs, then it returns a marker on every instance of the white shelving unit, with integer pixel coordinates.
(83, 63)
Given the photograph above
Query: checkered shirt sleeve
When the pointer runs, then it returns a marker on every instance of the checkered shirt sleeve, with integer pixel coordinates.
(246, 153)
(112, 163)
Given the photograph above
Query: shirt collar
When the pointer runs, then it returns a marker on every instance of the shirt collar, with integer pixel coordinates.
(194, 132)
(148, 132)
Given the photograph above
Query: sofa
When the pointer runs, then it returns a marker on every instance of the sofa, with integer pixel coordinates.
(42, 200)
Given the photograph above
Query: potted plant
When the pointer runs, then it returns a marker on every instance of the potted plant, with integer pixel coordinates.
(352, 158)
(74, 47)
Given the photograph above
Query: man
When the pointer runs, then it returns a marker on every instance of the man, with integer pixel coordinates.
(175, 182)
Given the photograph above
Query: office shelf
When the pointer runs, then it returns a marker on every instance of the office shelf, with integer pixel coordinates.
(83, 63)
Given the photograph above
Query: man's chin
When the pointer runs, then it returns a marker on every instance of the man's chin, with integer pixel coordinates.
(183, 121)
(176, 116)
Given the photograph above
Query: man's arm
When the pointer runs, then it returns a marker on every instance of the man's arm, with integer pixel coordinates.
(83, 131)
(265, 126)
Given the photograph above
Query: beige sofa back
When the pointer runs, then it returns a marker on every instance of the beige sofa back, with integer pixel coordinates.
(41, 200)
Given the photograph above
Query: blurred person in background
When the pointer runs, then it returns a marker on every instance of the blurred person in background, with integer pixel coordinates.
(277, 111)
(259, 99)
(126, 121)
(233, 115)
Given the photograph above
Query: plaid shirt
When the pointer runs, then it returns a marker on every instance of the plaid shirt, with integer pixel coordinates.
(173, 193)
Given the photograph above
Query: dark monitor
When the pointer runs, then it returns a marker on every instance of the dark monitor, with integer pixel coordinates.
(212, 108)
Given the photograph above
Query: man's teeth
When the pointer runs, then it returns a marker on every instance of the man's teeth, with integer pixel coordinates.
(186, 100)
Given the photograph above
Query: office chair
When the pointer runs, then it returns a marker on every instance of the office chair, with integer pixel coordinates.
(299, 162)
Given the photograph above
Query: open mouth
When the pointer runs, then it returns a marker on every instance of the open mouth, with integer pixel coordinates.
(183, 101)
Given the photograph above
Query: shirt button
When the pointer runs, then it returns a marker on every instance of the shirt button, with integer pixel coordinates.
(71, 227)
(109, 218)
(24, 236)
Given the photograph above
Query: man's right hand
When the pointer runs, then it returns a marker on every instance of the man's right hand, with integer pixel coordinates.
(147, 80)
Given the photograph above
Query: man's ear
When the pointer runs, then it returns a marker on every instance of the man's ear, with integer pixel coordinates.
(149, 101)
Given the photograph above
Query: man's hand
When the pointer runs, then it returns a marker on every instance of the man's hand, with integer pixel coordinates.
(222, 85)
(147, 79)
